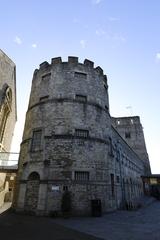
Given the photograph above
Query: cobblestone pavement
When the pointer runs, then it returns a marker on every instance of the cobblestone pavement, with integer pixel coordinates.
(143, 224)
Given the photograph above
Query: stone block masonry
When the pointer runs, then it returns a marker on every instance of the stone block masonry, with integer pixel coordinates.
(70, 144)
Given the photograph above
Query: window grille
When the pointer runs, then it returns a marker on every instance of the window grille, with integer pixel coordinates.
(81, 176)
(81, 133)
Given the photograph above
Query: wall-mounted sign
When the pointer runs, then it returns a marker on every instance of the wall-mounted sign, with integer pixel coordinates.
(55, 188)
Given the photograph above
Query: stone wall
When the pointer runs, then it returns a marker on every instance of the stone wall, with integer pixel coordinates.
(131, 130)
(7, 111)
(70, 143)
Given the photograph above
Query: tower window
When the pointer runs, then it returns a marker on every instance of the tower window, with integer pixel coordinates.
(105, 87)
(118, 122)
(46, 77)
(117, 179)
(80, 75)
(127, 135)
(132, 121)
(106, 108)
(81, 176)
(81, 133)
(36, 140)
(112, 184)
(81, 98)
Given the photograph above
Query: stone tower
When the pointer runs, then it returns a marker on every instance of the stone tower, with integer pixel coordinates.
(64, 140)
(70, 145)
(131, 130)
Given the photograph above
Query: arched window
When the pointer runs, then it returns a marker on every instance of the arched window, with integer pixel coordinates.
(5, 108)
(34, 176)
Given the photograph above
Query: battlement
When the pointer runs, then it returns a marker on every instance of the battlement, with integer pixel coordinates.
(72, 60)
(126, 120)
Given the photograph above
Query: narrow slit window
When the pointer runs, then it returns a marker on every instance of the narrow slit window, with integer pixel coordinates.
(81, 98)
(80, 75)
(46, 77)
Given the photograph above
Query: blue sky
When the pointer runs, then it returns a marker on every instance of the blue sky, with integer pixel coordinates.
(122, 36)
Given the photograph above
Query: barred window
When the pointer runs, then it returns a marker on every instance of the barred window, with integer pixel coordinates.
(81, 98)
(80, 75)
(81, 176)
(81, 133)
(36, 140)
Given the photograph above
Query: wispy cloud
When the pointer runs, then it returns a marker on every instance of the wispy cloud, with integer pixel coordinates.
(18, 40)
(96, 2)
(113, 19)
(100, 32)
(158, 56)
(119, 38)
(83, 43)
(34, 45)
(110, 36)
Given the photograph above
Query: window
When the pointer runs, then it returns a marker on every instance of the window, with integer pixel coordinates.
(81, 176)
(36, 140)
(106, 108)
(80, 75)
(43, 98)
(81, 133)
(111, 147)
(112, 184)
(117, 179)
(127, 135)
(6, 107)
(46, 77)
(118, 122)
(105, 87)
(81, 98)
(65, 188)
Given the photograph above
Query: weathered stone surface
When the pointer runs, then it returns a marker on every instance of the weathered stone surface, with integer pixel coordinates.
(79, 149)
(8, 113)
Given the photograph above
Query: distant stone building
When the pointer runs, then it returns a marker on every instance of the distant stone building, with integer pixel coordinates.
(8, 112)
(72, 144)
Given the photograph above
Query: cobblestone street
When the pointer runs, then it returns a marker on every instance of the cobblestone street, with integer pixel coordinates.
(143, 224)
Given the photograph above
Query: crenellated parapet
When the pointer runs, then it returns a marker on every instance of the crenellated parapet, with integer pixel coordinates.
(65, 80)
(72, 61)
